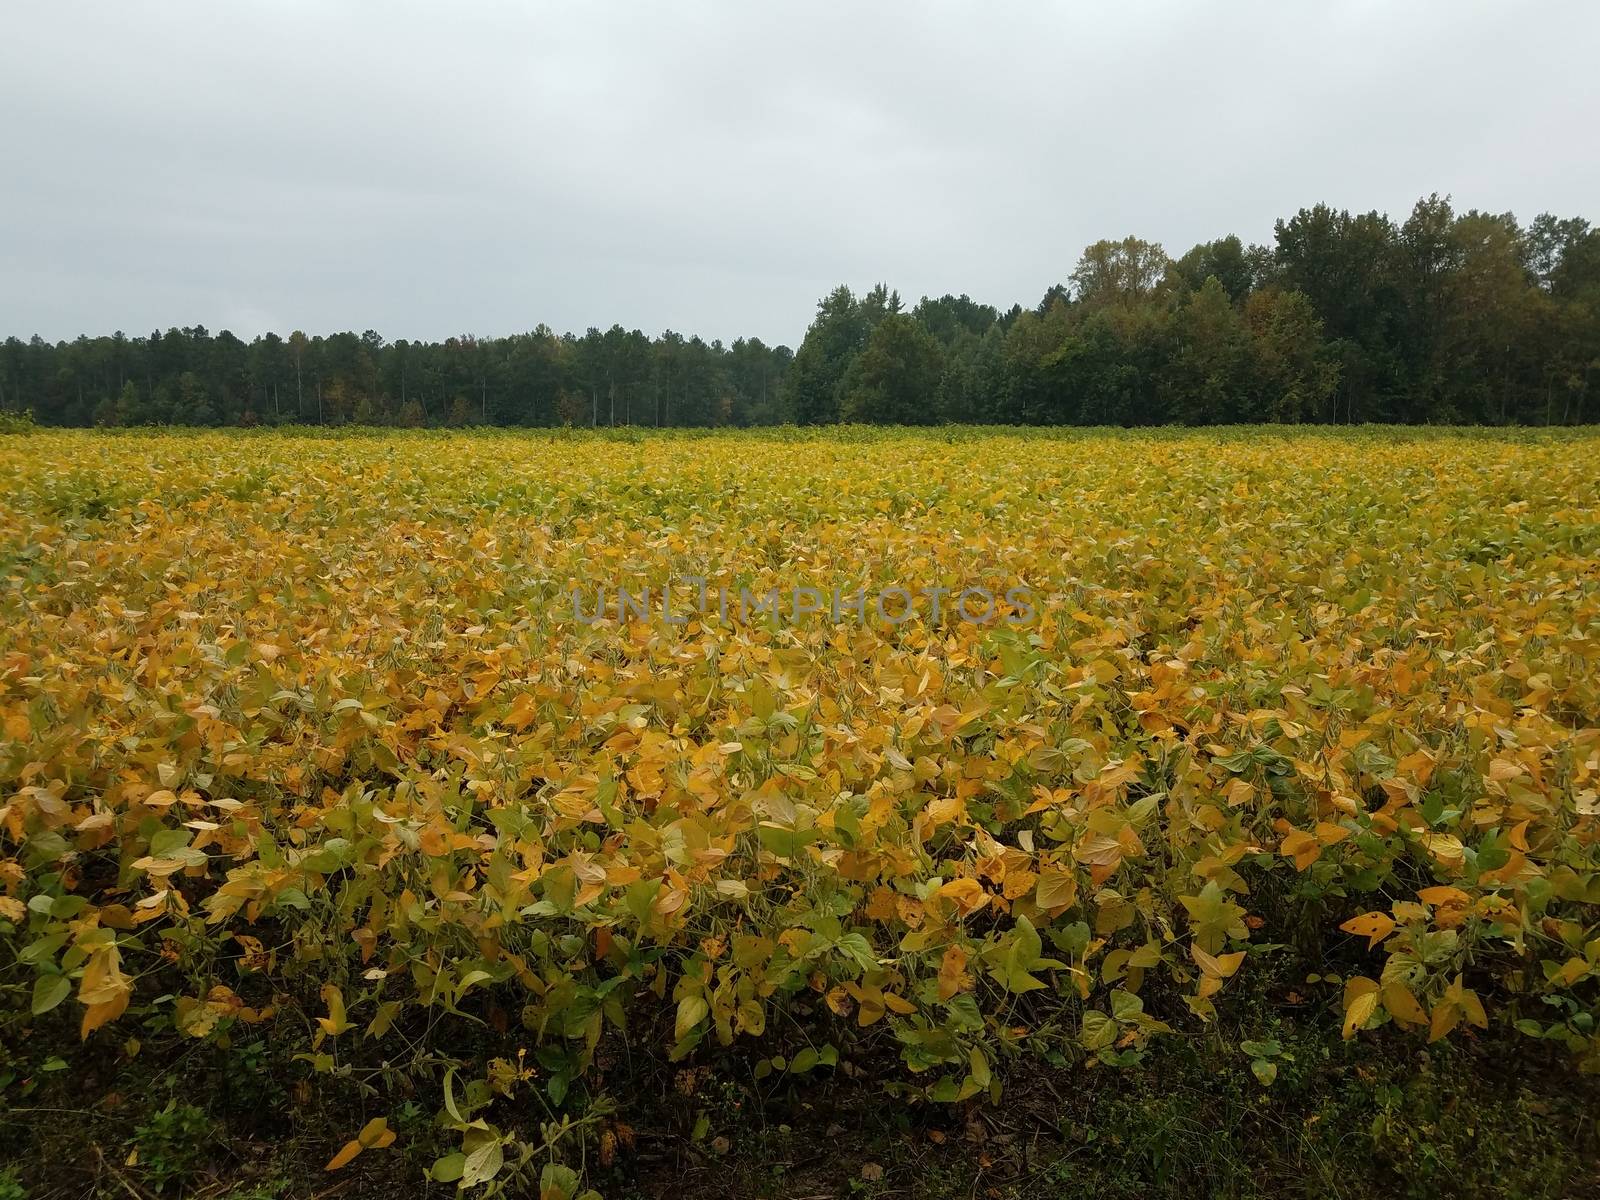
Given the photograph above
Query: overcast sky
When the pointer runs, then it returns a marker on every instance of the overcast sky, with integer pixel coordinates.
(429, 169)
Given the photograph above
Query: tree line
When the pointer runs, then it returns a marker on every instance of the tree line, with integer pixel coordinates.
(194, 377)
(1460, 317)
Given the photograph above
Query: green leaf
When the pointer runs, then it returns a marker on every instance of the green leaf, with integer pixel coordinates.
(1099, 1030)
(49, 991)
(449, 1168)
(692, 1009)
(43, 948)
(164, 841)
(484, 1162)
(979, 1066)
(450, 1097)
(557, 1182)
(784, 842)
(1125, 1006)
(856, 947)
(946, 1091)
(1020, 955)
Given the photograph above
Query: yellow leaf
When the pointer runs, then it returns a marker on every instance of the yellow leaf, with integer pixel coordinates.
(1471, 1006)
(1446, 847)
(1217, 966)
(952, 972)
(1056, 891)
(104, 989)
(1402, 1004)
(1446, 1016)
(347, 1152)
(1328, 833)
(966, 894)
(1301, 847)
(335, 1022)
(1374, 926)
(1360, 1002)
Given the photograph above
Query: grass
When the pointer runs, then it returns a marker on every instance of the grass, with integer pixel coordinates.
(1483, 1118)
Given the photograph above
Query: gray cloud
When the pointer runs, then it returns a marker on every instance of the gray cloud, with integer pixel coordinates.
(424, 169)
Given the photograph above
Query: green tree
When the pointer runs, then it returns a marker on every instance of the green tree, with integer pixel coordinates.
(193, 405)
(1227, 260)
(836, 336)
(1348, 267)
(1296, 373)
(1207, 378)
(1033, 382)
(895, 381)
